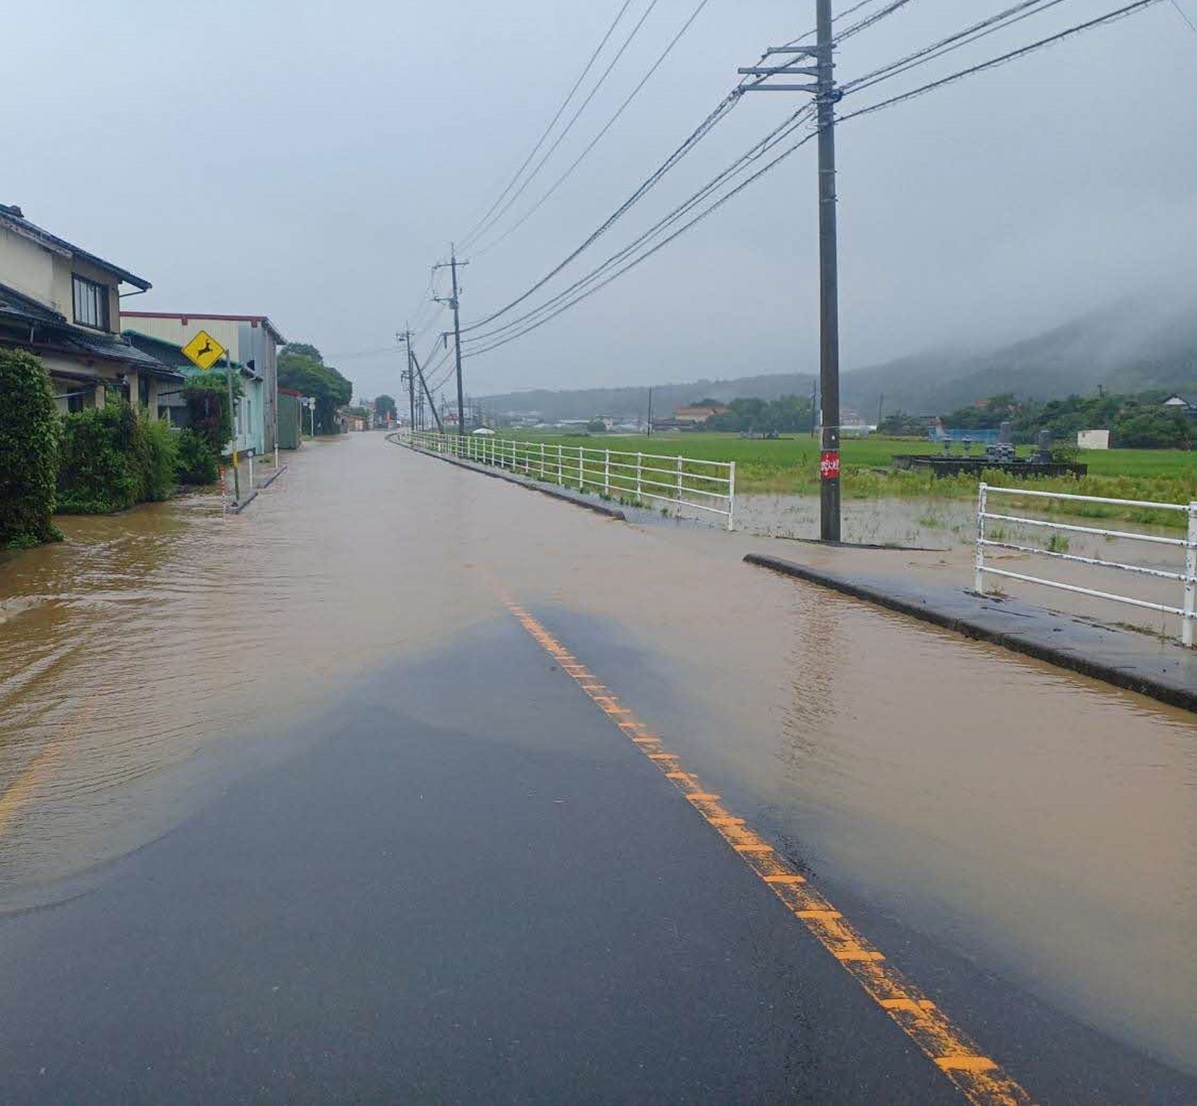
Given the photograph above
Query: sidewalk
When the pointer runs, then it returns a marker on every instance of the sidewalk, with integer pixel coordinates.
(1138, 662)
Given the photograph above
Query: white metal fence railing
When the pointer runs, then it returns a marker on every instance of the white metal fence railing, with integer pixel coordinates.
(1186, 578)
(707, 486)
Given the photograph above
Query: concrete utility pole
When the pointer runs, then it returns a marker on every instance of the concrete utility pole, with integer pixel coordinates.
(409, 376)
(829, 312)
(650, 414)
(453, 302)
(826, 96)
(424, 386)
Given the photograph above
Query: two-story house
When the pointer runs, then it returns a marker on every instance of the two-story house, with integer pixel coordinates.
(252, 340)
(63, 304)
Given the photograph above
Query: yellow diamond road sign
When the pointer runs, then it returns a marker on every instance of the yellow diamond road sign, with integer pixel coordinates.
(204, 350)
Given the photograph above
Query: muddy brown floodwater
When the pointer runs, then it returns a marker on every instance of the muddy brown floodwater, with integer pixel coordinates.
(1036, 821)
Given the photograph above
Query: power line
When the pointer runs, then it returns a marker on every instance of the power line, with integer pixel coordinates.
(867, 22)
(1022, 51)
(563, 301)
(687, 145)
(1181, 12)
(968, 35)
(473, 236)
(594, 141)
(754, 153)
(552, 122)
(661, 245)
(709, 210)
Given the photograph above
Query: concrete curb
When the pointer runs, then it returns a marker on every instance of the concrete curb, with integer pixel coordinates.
(274, 476)
(1167, 678)
(239, 507)
(554, 493)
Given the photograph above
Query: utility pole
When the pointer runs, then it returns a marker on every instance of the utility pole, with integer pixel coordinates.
(424, 386)
(650, 413)
(453, 302)
(829, 311)
(409, 376)
(880, 407)
(826, 96)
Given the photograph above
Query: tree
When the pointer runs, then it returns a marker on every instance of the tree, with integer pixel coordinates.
(1153, 428)
(302, 366)
(384, 407)
(596, 426)
(29, 444)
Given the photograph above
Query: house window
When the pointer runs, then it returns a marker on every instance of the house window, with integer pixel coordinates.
(91, 303)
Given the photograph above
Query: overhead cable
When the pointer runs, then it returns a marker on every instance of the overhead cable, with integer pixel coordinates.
(552, 122)
(474, 235)
(705, 213)
(1109, 17)
(868, 21)
(596, 139)
(759, 150)
(965, 37)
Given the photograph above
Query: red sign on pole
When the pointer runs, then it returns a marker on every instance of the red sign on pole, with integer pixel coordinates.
(829, 465)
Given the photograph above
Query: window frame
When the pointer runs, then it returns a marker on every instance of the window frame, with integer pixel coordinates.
(102, 292)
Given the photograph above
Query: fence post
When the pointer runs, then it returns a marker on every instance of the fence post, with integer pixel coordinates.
(679, 478)
(542, 460)
(731, 495)
(581, 470)
(979, 560)
(639, 473)
(1190, 604)
(607, 471)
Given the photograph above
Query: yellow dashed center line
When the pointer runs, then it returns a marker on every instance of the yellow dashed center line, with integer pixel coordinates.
(979, 1079)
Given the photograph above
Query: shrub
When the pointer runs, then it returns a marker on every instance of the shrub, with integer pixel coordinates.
(156, 451)
(208, 409)
(98, 473)
(197, 462)
(29, 442)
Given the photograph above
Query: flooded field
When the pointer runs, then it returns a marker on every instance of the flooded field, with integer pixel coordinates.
(1033, 820)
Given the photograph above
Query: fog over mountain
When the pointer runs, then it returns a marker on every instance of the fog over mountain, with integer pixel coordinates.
(1132, 346)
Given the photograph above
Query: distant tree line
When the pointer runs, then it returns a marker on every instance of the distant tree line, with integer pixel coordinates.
(1135, 421)
(784, 415)
(302, 366)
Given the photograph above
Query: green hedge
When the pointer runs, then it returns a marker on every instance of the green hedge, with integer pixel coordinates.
(29, 440)
(112, 458)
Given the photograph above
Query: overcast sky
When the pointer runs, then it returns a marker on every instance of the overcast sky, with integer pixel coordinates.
(309, 160)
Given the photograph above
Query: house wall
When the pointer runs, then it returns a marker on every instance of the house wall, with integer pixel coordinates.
(29, 268)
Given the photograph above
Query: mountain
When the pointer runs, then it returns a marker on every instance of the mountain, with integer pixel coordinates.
(1128, 347)
(633, 402)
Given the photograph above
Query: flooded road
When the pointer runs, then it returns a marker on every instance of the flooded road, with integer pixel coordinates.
(1029, 820)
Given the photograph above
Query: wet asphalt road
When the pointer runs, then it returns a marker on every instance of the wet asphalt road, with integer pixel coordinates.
(518, 911)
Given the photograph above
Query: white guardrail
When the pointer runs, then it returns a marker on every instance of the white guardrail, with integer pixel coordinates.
(1188, 578)
(708, 486)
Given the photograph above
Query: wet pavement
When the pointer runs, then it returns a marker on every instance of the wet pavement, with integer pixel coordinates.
(211, 730)
(1154, 667)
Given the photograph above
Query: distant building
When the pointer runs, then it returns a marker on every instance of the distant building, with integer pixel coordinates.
(1093, 439)
(696, 416)
(253, 340)
(1181, 404)
(249, 427)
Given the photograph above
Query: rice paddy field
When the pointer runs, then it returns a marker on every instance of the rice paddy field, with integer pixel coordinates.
(790, 466)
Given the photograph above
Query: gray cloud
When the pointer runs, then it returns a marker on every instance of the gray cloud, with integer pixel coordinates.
(309, 160)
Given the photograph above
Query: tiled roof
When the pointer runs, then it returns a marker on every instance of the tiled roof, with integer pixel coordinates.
(13, 219)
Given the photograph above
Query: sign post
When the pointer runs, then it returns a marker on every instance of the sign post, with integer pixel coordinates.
(204, 351)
